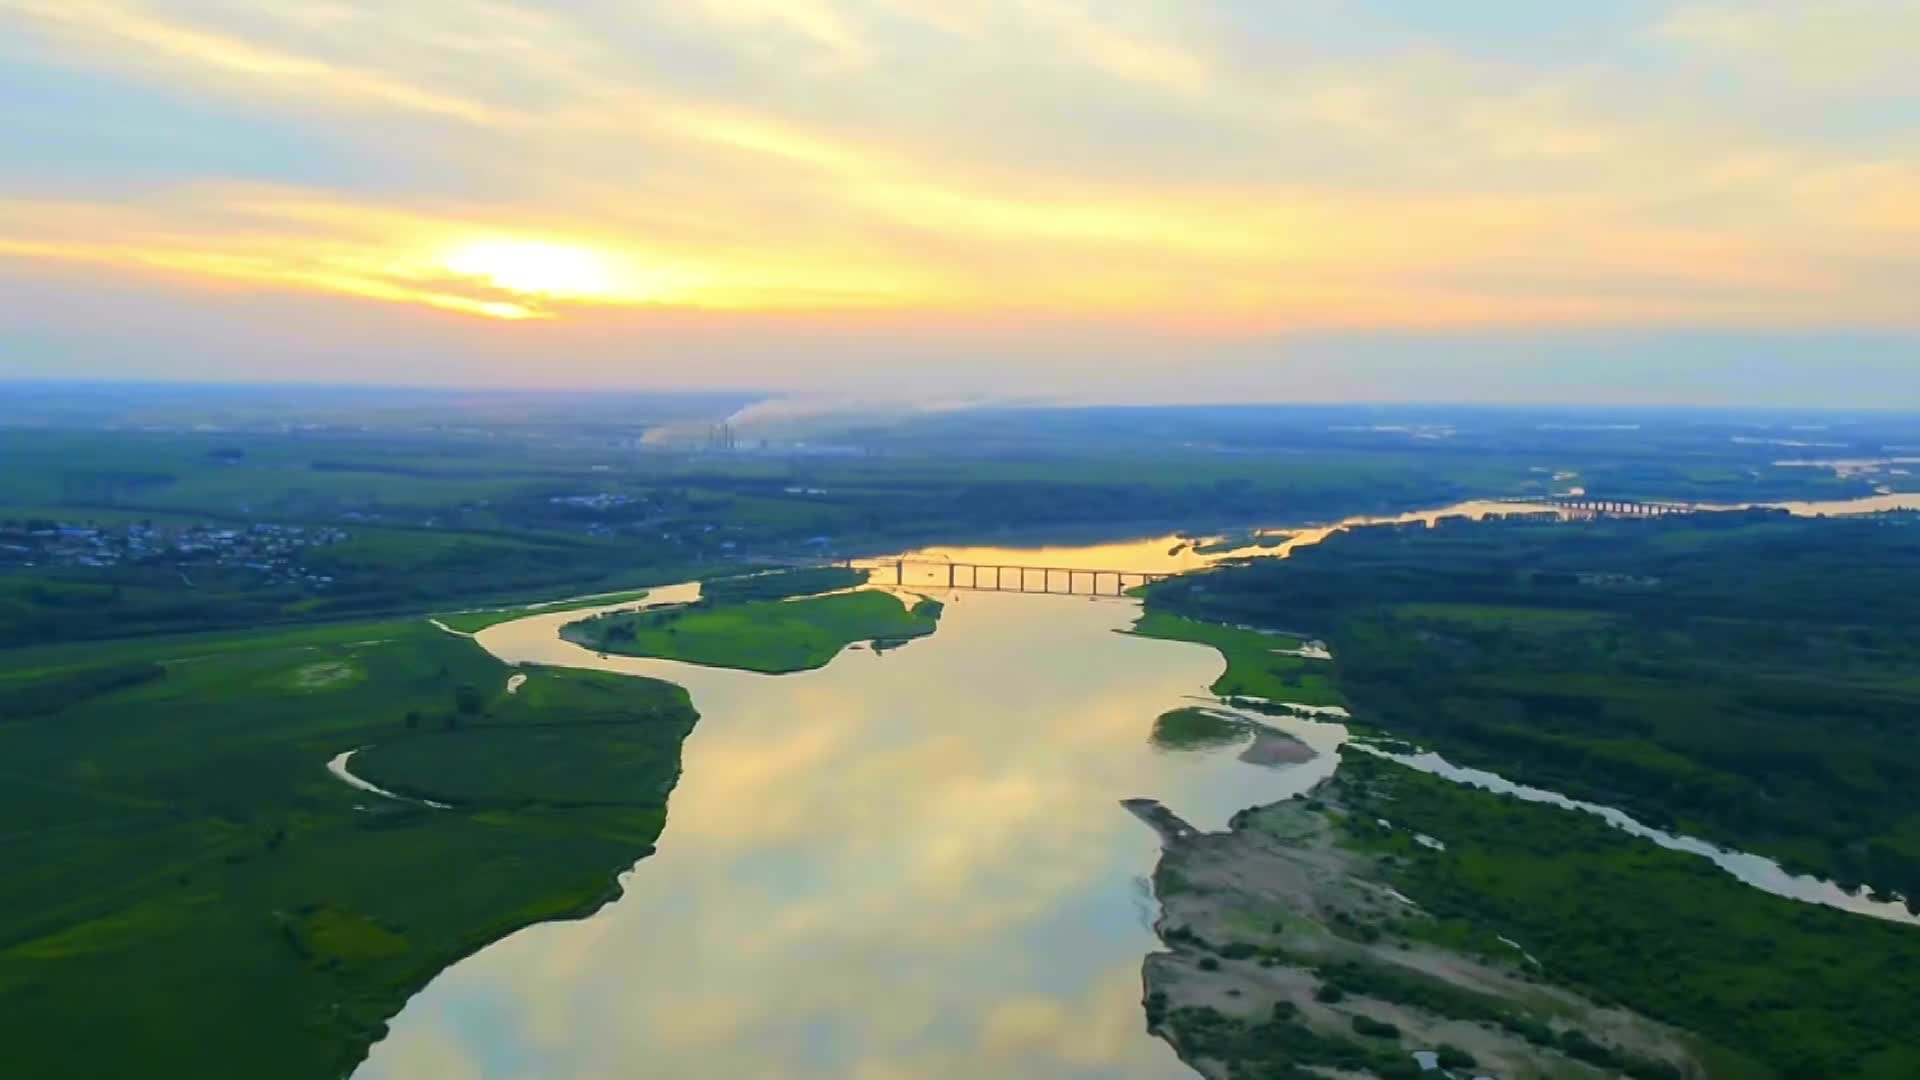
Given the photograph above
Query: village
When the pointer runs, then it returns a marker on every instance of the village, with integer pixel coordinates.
(269, 550)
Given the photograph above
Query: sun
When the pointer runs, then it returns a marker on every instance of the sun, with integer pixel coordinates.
(536, 268)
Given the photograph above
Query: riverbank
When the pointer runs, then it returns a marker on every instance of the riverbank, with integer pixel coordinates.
(1412, 900)
(1265, 665)
(1672, 669)
(204, 827)
(947, 810)
(1290, 951)
(1676, 670)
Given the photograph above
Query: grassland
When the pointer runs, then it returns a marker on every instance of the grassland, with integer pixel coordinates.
(781, 584)
(472, 622)
(1806, 990)
(189, 893)
(1534, 940)
(1257, 664)
(1196, 729)
(1290, 952)
(376, 573)
(1750, 678)
(770, 636)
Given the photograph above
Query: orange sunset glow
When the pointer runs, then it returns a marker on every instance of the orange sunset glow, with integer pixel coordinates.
(1218, 175)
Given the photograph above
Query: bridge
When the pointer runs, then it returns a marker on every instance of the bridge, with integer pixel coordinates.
(1058, 580)
(1588, 504)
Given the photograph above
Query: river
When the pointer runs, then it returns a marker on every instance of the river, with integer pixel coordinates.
(903, 865)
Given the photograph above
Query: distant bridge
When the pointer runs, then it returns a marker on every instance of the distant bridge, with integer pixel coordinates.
(1058, 580)
(1608, 507)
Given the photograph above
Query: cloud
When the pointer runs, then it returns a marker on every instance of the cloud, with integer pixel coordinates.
(1844, 46)
(125, 33)
(1216, 170)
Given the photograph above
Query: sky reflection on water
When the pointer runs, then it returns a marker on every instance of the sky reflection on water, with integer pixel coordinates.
(909, 865)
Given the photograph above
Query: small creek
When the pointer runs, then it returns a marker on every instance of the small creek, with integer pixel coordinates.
(909, 864)
(340, 765)
(1755, 870)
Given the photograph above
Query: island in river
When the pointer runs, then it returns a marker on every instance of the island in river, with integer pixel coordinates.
(773, 637)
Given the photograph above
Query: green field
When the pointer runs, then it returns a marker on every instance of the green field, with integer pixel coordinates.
(183, 873)
(1747, 677)
(472, 622)
(1750, 678)
(1806, 990)
(1516, 619)
(1195, 729)
(377, 572)
(771, 636)
(781, 584)
(1254, 669)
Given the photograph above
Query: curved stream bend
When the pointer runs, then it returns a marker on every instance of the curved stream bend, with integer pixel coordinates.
(338, 766)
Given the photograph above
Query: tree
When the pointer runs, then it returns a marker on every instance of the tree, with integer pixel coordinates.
(467, 700)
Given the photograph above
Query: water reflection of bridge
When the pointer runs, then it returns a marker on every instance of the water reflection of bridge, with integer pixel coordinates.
(985, 577)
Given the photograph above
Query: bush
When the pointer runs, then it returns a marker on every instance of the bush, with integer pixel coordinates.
(1374, 1029)
(467, 700)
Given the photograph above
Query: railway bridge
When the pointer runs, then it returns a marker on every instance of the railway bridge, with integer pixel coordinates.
(1606, 507)
(984, 577)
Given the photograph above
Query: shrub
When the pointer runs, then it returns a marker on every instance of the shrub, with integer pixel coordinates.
(1374, 1029)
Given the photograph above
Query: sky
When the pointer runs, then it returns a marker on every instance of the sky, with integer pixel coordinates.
(1633, 201)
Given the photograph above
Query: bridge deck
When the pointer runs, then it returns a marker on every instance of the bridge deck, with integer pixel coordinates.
(1594, 504)
(991, 577)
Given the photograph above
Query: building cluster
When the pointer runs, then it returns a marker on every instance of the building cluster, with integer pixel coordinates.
(272, 551)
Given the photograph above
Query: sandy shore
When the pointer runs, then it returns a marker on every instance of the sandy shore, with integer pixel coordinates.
(1274, 927)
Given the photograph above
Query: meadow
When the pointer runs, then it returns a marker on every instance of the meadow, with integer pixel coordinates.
(1798, 990)
(184, 873)
(769, 636)
(1257, 664)
(1746, 677)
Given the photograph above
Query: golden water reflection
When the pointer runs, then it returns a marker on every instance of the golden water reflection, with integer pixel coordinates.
(903, 865)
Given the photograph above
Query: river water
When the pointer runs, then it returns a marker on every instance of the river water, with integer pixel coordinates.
(897, 866)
